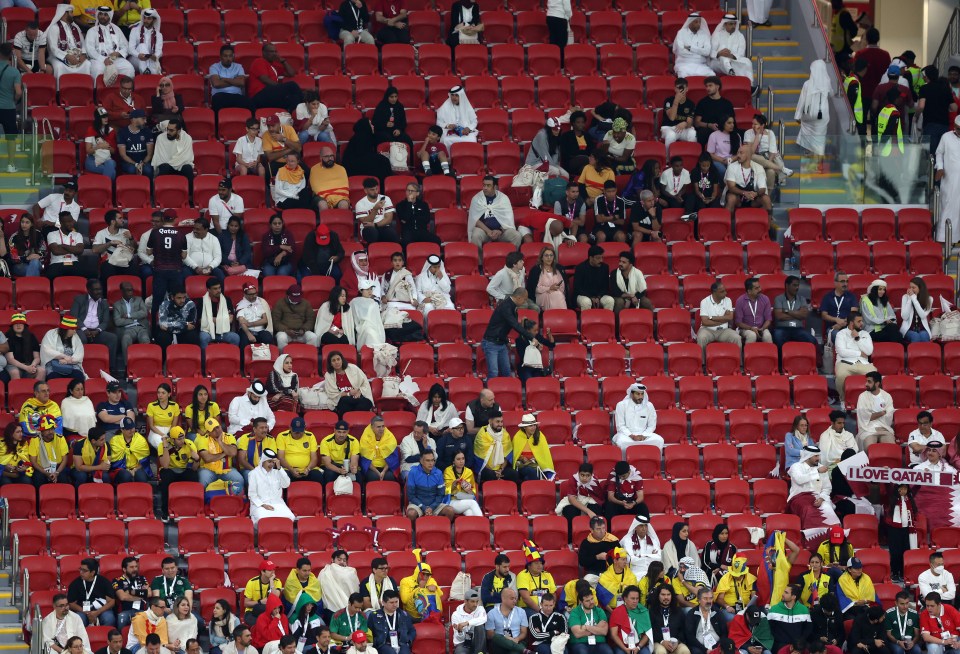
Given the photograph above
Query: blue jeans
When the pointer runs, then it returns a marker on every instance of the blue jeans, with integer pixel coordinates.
(108, 168)
(230, 337)
(56, 370)
(583, 648)
(29, 269)
(896, 649)
(940, 649)
(270, 270)
(106, 619)
(783, 335)
(207, 477)
(720, 168)
(498, 359)
(124, 617)
(917, 336)
(935, 131)
(27, 4)
(130, 169)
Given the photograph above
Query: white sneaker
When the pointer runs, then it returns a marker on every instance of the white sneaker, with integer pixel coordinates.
(688, 217)
(11, 168)
(788, 172)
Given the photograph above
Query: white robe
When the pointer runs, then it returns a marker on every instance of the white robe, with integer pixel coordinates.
(265, 488)
(867, 404)
(461, 115)
(401, 291)
(70, 626)
(369, 325)
(807, 479)
(691, 51)
(759, 10)
(434, 291)
(735, 43)
(948, 160)
(500, 208)
(325, 320)
(113, 41)
(136, 48)
(73, 44)
(813, 109)
(648, 551)
(632, 419)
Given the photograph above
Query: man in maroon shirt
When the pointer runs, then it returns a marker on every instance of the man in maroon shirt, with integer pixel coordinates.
(167, 246)
(878, 61)
(879, 100)
(264, 86)
(391, 20)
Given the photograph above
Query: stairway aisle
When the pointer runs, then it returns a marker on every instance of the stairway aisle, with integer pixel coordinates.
(11, 624)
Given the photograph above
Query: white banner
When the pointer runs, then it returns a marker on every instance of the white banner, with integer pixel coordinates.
(901, 476)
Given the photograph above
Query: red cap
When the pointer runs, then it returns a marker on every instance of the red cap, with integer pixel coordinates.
(267, 566)
(836, 534)
(247, 286)
(323, 235)
(272, 120)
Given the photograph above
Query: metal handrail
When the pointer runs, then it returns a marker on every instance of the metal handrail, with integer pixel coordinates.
(770, 104)
(25, 600)
(15, 567)
(34, 155)
(25, 102)
(759, 76)
(36, 628)
(830, 59)
(4, 528)
(781, 135)
(950, 43)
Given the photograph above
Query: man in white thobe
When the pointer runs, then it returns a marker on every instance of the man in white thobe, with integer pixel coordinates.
(491, 217)
(874, 414)
(66, 45)
(146, 43)
(759, 11)
(636, 420)
(266, 484)
(642, 544)
(948, 174)
(105, 44)
(253, 404)
(808, 476)
(692, 47)
(728, 50)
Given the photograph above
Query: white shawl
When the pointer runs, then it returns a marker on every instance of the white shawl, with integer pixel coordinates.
(211, 325)
(369, 325)
(286, 378)
(437, 418)
(325, 321)
(374, 597)
(641, 555)
(401, 287)
(500, 208)
(338, 582)
(365, 274)
(815, 95)
(356, 378)
(555, 241)
(635, 283)
(51, 347)
(74, 43)
(461, 115)
(136, 47)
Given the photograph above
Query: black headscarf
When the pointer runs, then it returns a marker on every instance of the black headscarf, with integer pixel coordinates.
(381, 115)
(678, 542)
(361, 157)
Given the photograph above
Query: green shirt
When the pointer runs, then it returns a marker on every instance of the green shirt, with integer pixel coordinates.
(167, 590)
(902, 627)
(344, 625)
(580, 617)
(9, 78)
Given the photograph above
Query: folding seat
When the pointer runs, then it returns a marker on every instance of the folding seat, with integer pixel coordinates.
(926, 258)
(806, 224)
(133, 191)
(476, 561)
(763, 257)
(769, 495)
(68, 537)
(510, 532)
(759, 459)
(470, 532)
(553, 91)
(672, 22)
(59, 158)
(658, 495)
(222, 360)
(21, 501)
(74, 88)
(57, 502)
(684, 359)
(508, 392)
(468, 157)
(486, 90)
(185, 499)
(696, 392)
(343, 505)
(32, 535)
(528, 121)
(861, 529)
(416, 359)
(64, 290)
(646, 359)
(809, 391)
(471, 59)
(40, 89)
(707, 426)
(543, 394)
(939, 286)
(689, 258)
(425, 26)
(592, 426)
(356, 534)
(369, 90)
(454, 359)
(693, 496)
(914, 224)
(855, 256)
(580, 59)
(726, 258)
(734, 392)
(609, 359)
(196, 535)
(642, 26)
(531, 27)
(654, 150)
(517, 92)
(538, 497)
(434, 59)
(603, 458)
(597, 326)
(663, 291)
(580, 393)
(752, 224)
(95, 502)
(566, 459)
(681, 461)
(607, 27)
(502, 158)
(107, 536)
(183, 360)
(714, 225)
(842, 224)
(96, 191)
(878, 223)
(789, 523)
(739, 524)
(42, 570)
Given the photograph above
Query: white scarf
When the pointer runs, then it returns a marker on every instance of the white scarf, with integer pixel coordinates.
(401, 287)
(338, 582)
(218, 325)
(635, 282)
(374, 596)
(286, 378)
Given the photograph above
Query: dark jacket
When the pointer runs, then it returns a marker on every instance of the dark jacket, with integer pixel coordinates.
(785, 633)
(692, 624)
(448, 447)
(569, 148)
(456, 17)
(270, 243)
(675, 622)
(244, 248)
(414, 218)
(591, 282)
(831, 626)
(489, 597)
(80, 306)
(316, 258)
(504, 320)
(587, 555)
(350, 19)
(864, 631)
(381, 116)
(481, 416)
(159, 114)
(380, 628)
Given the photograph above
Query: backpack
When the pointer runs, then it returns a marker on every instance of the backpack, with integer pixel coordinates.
(553, 190)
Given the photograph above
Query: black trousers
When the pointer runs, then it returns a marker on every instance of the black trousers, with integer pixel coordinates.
(388, 34)
(510, 474)
(167, 477)
(348, 403)
(231, 100)
(286, 95)
(165, 339)
(898, 540)
(387, 234)
(557, 30)
(612, 510)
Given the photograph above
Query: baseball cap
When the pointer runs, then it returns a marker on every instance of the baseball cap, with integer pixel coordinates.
(248, 286)
(71, 185)
(322, 235)
(295, 292)
(456, 422)
(855, 563)
(225, 183)
(113, 387)
(298, 425)
(211, 424)
(472, 594)
(893, 70)
(358, 637)
(176, 432)
(272, 120)
(342, 424)
(128, 423)
(267, 566)
(836, 534)
(138, 113)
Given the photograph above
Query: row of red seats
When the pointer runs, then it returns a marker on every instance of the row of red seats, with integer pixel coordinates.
(846, 224)
(854, 257)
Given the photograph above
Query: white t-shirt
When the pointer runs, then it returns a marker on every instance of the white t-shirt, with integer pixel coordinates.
(916, 437)
(744, 177)
(711, 309)
(53, 204)
(768, 142)
(248, 150)
(59, 238)
(616, 149)
(365, 204)
(27, 47)
(671, 183)
(223, 209)
(302, 113)
(104, 236)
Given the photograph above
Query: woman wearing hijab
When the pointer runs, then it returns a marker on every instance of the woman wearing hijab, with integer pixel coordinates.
(809, 497)
(437, 411)
(456, 117)
(718, 553)
(643, 546)
(166, 104)
(265, 485)
(290, 189)
(813, 109)
(728, 50)
(691, 47)
(678, 547)
(546, 148)
(390, 120)
(282, 385)
(465, 25)
(272, 624)
(334, 319)
(434, 287)
(361, 157)
(359, 270)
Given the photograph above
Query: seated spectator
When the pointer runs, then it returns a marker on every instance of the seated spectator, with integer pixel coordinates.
(361, 157)
(282, 385)
(23, 355)
(91, 596)
(716, 314)
(390, 120)
(853, 347)
(321, 646)
(624, 492)
(666, 619)
(492, 451)
(36, 407)
(46, 212)
(338, 579)
(278, 248)
(828, 620)
(533, 366)
(461, 487)
(466, 25)
(65, 40)
(676, 549)
(14, 456)
(456, 116)
(228, 82)
(646, 219)
(617, 577)
(737, 589)
(392, 629)
(92, 460)
(676, 187)
(584, 494)
(902, 625)
(236, 251)
(915, 307)
(251, 445)
(30, 49)
(507, 625)
(346, 386)
(115, 644)
(874, 413)
(433, 286)
(508, 279)
(691, 47)
(545, 148)
(531, 451)
(116, 247)
(610, 212)
(61, 626)
(355, 23)
(628, 285)
(728, 49)
(591, 281)
(855, 590)
(375, 214)
(264, 87)
(278, 141)
(329, 182)
(796, 439)
(130, 452)
(349, 620)
(547, 283)
(222, 628)
(131, 590)
(254, 317)
(815, 584)
(546, 624)
(271, 624)
(178, 461)
(203, 254)
(61, 351)
(677, 117)
(588, 624)
(101, 146)
(619, 145)
(297, 451)
(65, 245)
(106, 45)
(711, 110)
(790, 311)
(576, 145)
(27, 248)
(130, 319)
(937, 579)
(836, 307)
(938, 624)
(414, 445)
(248, 150)
(182, 625)
(878, 315)
(216, 315)
(244, 408)
(919, 437)
(704, 625)
(177, 318)
(809, 497)
(724, 143)
(266, 485)
(312, 120)
(765, 152)
(290, 186)
(223, 205)
(426, 491)
(173, 155)
(334, 320)
(166, 105)
(292, 318)
(144, 254)
(146, 43)
(170, 583)
(322, 253)
(490, 217)
(706, 185)
(749, 631)
(339, 454)
(216, 451)
(380, 455)
(754, 326)
(453, 442)
(468, 623)
(636, 420)
(574, 209)
(595, 174)
(110, 414)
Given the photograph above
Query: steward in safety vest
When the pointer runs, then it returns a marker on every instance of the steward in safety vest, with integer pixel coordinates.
(854, 90)
(890, 125)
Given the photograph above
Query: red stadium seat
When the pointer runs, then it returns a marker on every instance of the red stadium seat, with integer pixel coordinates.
(681, 461)
(642, 26)
(658, 495)
(842, 224)
(470, 532)
(538, 497)
(693, 496)
(759, 460)
(636, 325)
(689, 258)
(580, 393)
(770, 495)
(810, 391)
(806, 224)
(499, 24)
(531, 27)
(566, 459)
(914, 224)
(758, 358)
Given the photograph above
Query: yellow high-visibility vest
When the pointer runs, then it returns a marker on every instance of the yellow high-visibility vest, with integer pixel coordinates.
(858, 104)
(883, 118)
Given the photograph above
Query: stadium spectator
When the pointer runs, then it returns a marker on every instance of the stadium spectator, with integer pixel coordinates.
(628, 285)
(228, 82)
(177, 318)
(379, 451)
(502, 322)
(796, 439)
(66, 45)
(468, 623)
(355, 23)
(282, 385)
(312, 120)
(576, 145)
(836, 550)
(928, 501)
(34, 408)
(728, 49)
(643, 546)
(61, 626)
(375, 215)
(677, 117)
(574, 208)
(691, 47)
(92, 460)
(182, 625)
(675, 186)
(630, 629)
(48, 209)
(602, 117)
(646, 218)
(115, 644)
(392, 629)
(390, 120)
(594, 176)
(595, 550)
(617, 578)
(934, 106)
(919, 437)
(30, 49)
(216, 312)
(290, 187)
(878, 61)
(506, 625)
(224, 205)
(22, 350)
(765, 151)
(789, 619)
(292, 318)
(216, 451)
(678, 547)
(27, 248)
(855, 590)
(264, 86)
(610, 212)
(334, 321)
(508, 279)
(173, 155)
(322, 254)
(711, 110)
(115, 246)
(91, 596)
(250, 446)
(93, 310)
(938, 625)
(414, 445)
(461, 486)
(14, 456)
(704, 625)
(666, 621)
(718, 552)
(426, 490)
(328, 182)
(836, 307)
(65, 245)
(346, 385)
(868, 633)
(546, 282)
(813, 108)
(178, 461)
(828, 621)
(815, 583)
(722, 145)
(591, 281)
(106, 45)
(754, 326)
(361, 157)
(130, 319)
(490, 218)
(809, 497)
(166, 105)
(61, 350)
(546, 148)
(531, 451)
(373, 589)
(266, 484)
(248, 150)
(493, 451)
(947, 173)
(716, 314)
(878, 315)
(618, 144)
(297, 451)
(874, 413)
(478, 411)
(100, 145)
(146, 43)
(466, 25)
(278, 141)
(635, 419)
(937, 579)
(271, 626)
(853, 348)
(915, 307)
(130, 453)
(254, 316)
(902, 625)
(227, 635)
(453, 442)
(747, 185)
